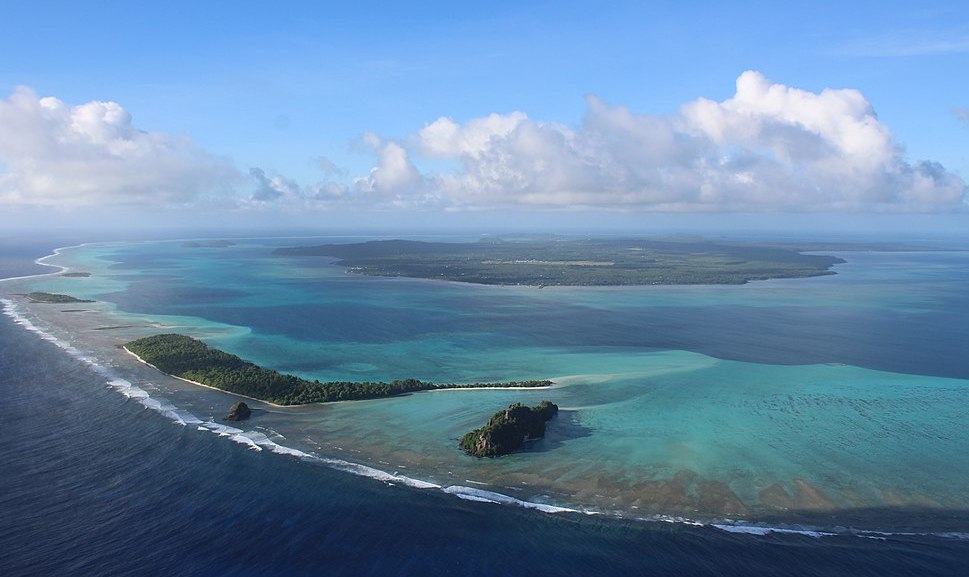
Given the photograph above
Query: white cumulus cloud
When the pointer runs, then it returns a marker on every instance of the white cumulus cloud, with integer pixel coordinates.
(273, 188)
(444, 137)
(393, 178)
(770, 147)
(52, 154)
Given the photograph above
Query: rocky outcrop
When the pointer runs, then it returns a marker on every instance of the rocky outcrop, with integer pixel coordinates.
(508, 430)
(238, 412)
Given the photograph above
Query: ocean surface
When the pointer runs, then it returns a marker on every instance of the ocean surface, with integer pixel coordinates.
(797, 427)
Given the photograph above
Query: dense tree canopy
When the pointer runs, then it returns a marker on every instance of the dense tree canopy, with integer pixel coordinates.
(576, 262)
(507, 430)
(191, 359)
(57, 298)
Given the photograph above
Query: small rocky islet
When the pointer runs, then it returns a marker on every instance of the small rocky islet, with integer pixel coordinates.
(239, 411)
(507, 430)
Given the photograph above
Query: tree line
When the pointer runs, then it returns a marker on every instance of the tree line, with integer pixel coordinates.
(189, 358)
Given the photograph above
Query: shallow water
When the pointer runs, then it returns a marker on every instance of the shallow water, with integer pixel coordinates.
(830, 400)
(95, 483)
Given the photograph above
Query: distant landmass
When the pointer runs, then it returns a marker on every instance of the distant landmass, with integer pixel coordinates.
(207, 244)
(570, 262)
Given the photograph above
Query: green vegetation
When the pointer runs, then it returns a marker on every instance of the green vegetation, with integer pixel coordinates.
(42, 297)
(191, 359)
(507, 430)
(592, 262)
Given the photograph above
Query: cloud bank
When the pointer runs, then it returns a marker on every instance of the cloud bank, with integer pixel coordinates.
(768, 148)
(52, 154)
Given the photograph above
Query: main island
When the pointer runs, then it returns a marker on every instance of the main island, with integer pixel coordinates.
(576, 262)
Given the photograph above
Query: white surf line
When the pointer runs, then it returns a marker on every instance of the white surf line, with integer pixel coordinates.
(40, 261)
(113, 380)
(252, 439)
(258, 441)
(57, 251)
(483, 496)
(766, 530)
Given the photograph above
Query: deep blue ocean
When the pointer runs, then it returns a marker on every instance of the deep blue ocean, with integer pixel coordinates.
(92, 483)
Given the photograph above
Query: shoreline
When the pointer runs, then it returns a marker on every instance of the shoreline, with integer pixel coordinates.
(40, 261)
(442, 389)
(805, 523)
(789, 520)
(278, 406)
(271, 404)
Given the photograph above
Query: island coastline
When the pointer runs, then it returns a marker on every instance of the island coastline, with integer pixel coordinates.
(279, 406)
(191, 355)
(593, 262)
(198, 384)
(777, 517)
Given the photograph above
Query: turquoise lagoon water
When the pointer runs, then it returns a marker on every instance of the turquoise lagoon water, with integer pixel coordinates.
(838, 396)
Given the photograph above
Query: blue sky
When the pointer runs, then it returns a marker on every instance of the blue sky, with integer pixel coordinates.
(525, 112)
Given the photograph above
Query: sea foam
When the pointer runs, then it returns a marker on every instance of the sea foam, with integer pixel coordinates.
(483, 496)
(766, 530)
(258, 441)
(112, 380)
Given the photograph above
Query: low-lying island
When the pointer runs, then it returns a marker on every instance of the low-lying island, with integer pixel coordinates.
(192, 360)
